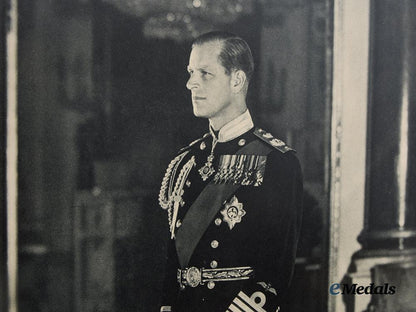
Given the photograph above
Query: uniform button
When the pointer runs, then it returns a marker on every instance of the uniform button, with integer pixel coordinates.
(188, 183)
(211, 285)
(213, 264)
(214, 243)
(218, 221)
(242, 142)
(202, 146)
(178, 223)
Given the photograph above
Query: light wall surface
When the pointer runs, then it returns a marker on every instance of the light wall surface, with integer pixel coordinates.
(350, 88)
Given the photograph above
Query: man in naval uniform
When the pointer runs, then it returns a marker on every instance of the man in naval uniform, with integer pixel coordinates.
(233, 197)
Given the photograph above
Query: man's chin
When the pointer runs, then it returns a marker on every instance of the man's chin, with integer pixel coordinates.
(199, 114)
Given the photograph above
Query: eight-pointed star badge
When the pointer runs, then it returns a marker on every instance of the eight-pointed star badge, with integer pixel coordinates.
(232, 212)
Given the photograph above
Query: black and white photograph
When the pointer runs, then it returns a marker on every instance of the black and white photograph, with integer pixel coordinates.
(208, 155)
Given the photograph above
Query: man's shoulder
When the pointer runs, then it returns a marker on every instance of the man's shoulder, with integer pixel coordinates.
(273, 142)
(194, 143)
(282, 162)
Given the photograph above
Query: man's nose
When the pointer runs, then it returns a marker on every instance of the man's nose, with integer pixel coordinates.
(191, 83)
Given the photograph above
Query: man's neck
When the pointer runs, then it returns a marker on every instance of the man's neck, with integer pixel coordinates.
(218, 122)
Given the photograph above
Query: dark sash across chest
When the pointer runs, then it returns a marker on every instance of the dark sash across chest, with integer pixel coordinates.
(246, 167)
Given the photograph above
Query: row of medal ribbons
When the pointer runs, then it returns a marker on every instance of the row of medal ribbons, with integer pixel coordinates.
(241, 169)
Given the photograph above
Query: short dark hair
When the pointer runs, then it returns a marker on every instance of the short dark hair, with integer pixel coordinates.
(235, 53)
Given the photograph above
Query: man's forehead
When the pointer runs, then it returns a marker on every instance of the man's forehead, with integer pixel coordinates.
(204, 55)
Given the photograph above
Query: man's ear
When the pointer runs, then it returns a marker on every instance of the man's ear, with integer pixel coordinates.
(238, 80)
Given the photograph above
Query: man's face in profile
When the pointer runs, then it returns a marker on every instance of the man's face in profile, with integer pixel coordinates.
(209, 84)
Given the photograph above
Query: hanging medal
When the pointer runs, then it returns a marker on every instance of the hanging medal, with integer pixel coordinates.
(208, 169)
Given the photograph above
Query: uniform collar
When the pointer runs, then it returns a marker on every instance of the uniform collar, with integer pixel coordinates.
(235, 127)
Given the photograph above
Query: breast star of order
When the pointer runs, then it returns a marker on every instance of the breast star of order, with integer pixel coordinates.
(233, 212)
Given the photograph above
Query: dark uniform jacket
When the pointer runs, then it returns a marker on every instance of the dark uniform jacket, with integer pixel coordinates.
(235, 234)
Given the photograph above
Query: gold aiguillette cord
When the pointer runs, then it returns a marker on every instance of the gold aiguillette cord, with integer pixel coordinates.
(178, 192)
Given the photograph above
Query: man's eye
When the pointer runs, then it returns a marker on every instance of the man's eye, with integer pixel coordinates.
(205, 73)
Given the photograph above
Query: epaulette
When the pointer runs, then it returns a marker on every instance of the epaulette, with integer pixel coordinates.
(183, 149)
(270, 139)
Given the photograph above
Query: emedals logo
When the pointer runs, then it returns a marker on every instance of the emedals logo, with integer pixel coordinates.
(355, 289)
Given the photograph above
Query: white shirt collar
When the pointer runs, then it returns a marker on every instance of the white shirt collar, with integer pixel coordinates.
(235, 127)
